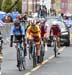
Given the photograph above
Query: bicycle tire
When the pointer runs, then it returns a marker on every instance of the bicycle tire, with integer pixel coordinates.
(34, 57)
(55, 52)
(30, 52)
(18, 56)
(42, 52)
(23, 65)
(20, 67)
(21, 61)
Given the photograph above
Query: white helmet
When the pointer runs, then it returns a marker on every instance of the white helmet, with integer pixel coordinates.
(55, 22)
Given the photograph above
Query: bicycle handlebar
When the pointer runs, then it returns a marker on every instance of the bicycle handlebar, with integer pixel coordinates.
(17, 41)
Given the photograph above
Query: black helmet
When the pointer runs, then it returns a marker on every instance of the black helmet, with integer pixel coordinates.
(17, 23)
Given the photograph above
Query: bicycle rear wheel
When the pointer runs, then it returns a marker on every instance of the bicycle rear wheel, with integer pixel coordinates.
(22, 65)
(20, 60)
(30, 52)
(34, 57)
(42, 52)
(55, 51)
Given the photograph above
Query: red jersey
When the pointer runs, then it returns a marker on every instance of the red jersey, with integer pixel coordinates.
(55, 30)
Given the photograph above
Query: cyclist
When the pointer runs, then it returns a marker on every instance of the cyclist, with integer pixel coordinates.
(18, 32)
(55, 30)
(33, 33)
(1, 42)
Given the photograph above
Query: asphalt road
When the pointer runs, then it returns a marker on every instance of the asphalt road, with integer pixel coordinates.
(61, 65)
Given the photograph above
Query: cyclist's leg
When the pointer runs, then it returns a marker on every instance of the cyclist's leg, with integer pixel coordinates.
(25, 52)
(58, 42)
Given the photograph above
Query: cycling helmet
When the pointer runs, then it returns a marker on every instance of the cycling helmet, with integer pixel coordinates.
(33, 22)
(17, 23)
(54, 23)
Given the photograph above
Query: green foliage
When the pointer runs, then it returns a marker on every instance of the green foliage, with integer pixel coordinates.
(19, 6)
(6, 4)
(0, 4)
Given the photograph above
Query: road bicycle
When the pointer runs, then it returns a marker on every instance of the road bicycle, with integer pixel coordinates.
(54, 43)
(20, 55)
(32, 52)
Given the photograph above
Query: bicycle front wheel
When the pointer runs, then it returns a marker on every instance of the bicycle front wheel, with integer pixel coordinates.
(34, 57)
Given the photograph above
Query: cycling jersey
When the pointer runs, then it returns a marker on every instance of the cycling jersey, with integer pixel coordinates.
(55, 30)
(43, 31)
(20, 31)
(34, 32)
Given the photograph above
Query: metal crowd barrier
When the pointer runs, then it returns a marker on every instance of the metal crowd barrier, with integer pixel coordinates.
(5, 30)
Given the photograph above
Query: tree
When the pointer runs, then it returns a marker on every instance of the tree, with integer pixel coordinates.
(13, 5)
(19, 6)
(1, 3)
(6, 5)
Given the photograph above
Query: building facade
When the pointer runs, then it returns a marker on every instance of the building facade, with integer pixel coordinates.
(63, 6)
(30, 5)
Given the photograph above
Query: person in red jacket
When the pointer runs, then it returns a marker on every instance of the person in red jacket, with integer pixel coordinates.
(56, 31)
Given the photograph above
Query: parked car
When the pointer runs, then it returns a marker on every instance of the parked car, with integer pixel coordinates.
(65, 33)
(68, 22)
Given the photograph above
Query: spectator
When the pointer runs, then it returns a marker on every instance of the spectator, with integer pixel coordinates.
(10, 19)
(7, 19)
(18, 17)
